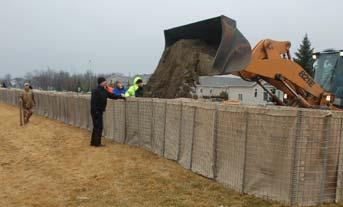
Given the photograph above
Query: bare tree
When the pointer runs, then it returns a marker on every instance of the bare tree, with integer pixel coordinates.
(63, 81)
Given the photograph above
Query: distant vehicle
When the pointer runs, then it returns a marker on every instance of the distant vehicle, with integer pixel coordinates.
(328, 72)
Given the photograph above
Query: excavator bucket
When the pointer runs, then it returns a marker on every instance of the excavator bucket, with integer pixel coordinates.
(233, 49)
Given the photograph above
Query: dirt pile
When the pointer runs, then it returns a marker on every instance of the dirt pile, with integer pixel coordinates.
(179, 69)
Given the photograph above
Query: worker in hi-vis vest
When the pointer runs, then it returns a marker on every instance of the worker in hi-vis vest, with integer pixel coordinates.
(136, 90)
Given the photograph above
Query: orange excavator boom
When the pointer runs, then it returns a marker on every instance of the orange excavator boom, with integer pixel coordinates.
(269, 61)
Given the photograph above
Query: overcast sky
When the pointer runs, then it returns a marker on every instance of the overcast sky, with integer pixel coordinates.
(127, 36)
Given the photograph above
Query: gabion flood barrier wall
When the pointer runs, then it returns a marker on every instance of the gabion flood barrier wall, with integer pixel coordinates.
(285, 154)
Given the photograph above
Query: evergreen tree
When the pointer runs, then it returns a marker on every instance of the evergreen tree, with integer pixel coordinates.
(304, 55)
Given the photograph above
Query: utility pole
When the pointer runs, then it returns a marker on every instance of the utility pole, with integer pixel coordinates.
(90, 75)
(130, 80)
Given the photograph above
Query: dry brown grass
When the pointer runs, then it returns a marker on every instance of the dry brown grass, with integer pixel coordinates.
(47, 163)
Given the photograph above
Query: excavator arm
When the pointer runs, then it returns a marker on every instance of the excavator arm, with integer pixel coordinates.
(271, 61)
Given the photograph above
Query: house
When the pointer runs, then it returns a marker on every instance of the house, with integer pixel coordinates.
(235, 88)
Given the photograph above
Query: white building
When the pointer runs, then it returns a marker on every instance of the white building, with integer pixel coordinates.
(236, 88)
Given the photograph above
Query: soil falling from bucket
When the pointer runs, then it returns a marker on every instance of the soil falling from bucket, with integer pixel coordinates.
(179, 69)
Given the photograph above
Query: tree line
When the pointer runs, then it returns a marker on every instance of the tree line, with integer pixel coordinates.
(56, 80)
(62, 80)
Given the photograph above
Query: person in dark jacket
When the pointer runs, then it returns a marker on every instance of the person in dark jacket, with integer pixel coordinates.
(140, 89)
(98, 106)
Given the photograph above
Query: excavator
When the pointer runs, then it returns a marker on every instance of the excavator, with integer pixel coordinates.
(269, 61)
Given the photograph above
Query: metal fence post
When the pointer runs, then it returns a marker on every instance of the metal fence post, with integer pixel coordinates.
(126, 120)
(138, 125)
(295, 167)
(339, 170)
(125, 126)
(215, 137)
(180, 133)
(164, 127)
(152, 131)
(246, 118)
(114, 120)
(326, 134)
(193, 135)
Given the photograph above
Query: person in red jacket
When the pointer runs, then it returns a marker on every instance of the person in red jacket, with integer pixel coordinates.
(118, 90)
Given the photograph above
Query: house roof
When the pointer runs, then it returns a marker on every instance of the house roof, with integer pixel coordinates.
(224, 81)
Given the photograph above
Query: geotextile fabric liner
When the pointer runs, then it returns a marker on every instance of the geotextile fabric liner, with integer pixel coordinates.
(291, 155)
(337, 125)
(84, 112)
(76, 111)
(230, 146)
(132, 125)
(172, 129)
(50, 107)
(88, 109)
(64, 108)
(2, 96)
(77, 122)
(108, 120)
(56, 110)
(67, 106)
(54, 107)
(71, 109)
(203, 156)
(38, 103)
(317, 167)
(268, 152)
(159, 125)
(145, 121)
(335, 129)
(45, 105)
(58, 107)
(187, 134)
(119, 118)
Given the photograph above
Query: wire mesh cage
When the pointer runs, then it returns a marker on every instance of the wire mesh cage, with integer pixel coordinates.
(290, 155)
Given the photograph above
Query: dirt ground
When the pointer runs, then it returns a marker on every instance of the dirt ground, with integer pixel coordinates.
(48, 164)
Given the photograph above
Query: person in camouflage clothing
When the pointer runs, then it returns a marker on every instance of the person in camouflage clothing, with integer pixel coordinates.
(28, 100)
